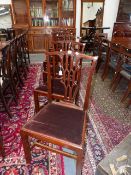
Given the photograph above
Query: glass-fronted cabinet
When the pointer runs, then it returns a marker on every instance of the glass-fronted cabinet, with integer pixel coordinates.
(42, 18)
(68, 13)
(36, 13)
(52, 13)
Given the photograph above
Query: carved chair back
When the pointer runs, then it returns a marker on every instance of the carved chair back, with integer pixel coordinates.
(68, 72)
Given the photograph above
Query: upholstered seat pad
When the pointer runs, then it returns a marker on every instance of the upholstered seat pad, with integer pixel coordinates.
(60, 122)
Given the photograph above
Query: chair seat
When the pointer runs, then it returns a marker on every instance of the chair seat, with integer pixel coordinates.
(126, 74)
(59, 122)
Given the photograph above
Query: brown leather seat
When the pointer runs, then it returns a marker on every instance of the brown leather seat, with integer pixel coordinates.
(51, 121)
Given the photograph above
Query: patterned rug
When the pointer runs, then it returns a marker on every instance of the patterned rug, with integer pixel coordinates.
(109, 122)
(44, 162)
(104, 132)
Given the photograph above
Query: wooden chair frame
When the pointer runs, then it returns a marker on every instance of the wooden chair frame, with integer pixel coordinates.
(27, 131)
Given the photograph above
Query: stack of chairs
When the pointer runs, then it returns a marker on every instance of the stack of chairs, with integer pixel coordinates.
(123, 71)
(13, 69)
(14, 64)
(113, 56)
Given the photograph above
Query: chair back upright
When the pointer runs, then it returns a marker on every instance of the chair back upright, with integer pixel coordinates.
(125, 60)
(6, 62)
(114, 55)
(68, 72)
(78, 47)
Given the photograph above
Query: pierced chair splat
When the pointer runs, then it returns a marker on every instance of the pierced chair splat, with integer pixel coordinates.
(63, 72)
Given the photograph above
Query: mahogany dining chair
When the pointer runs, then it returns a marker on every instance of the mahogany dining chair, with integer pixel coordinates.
(61, 123)
(124, 70)
(56, 87)
(112, 60)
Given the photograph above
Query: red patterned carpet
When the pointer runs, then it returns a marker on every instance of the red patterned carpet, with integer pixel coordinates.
(104, 132)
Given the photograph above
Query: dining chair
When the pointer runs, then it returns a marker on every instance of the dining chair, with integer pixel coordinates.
(62, 46)
(124, 70)
(25, 48)
(103, 53)
(54, 70)
(7, 86)
(96, 45)
(61, 123)
(112, 60)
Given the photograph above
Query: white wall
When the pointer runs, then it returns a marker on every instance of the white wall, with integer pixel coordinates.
(90, 13)
(110, 13)
(5, 21)
(78, 17)
(5, 1)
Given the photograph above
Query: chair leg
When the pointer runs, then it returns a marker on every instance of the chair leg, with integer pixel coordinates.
(116, 82)
(127, 92)
(79, 163)
(14, 91)
(26, 146)
(5, 105)
(105, 73)
(36, 100)
(98, 65)
(44, 77)
(129, 103)
(1, 145)
(113, 79)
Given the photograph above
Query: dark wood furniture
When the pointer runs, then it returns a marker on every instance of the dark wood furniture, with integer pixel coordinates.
(124, 41)
(112, 59)
(14, 63)
(42, 17)
(61, 123)
(123, 70)
(103, 52)
(62, 46)
(7, 87)
(122, 26)
(59, 66)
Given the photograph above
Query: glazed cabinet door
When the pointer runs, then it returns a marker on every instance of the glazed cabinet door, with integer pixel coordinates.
(36, 13)
(68, 13)
(52, 13)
